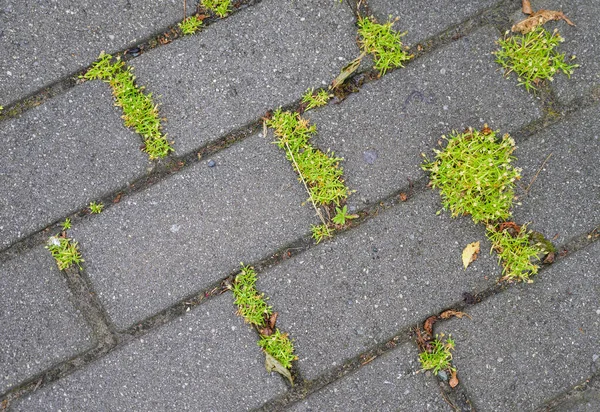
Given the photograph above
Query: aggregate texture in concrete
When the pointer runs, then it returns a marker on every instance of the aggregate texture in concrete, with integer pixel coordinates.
(570, 177)
(382, 131)
(207, 360)
(368, 284)
(60, 156)
(192, 229)
(422, 19)
(388, 383)
(233, 72)
(41, 42)
(533, 341)
(40, 327)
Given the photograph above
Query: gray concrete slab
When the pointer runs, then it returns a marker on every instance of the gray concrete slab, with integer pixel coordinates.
(207, 360)
(40, 327)
(581, 40)
(234, 71)
(59, 156)
(423, 19)
(564, 199)
(534, 341)
(371, 282)
(41, 42)
(404, 114)
(389, 383)
(192, 229)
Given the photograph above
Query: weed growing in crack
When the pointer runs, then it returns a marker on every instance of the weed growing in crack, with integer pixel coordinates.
(139, 111)
(220, 7)
(64, 251)
(320, 232)
(438, 357)
(96, 208)
(342, 215)
(66, 225)
(190, 25)
(279, 346)
(516, 251)
(533, 57)
(313, 100)
(384, 43)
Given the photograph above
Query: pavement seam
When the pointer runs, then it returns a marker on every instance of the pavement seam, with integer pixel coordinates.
(556, 402)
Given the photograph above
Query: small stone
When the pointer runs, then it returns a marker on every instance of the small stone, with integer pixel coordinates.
(211, 163)
(370, 156)
(443, 375)
(111, 36)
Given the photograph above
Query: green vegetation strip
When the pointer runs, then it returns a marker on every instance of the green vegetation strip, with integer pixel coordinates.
(190, 25)
(252, 306)
(438, 356)
(64, 251)
(139, 111)
(384, 43)
(220, 7)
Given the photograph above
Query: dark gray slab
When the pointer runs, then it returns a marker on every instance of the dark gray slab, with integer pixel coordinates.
(581, 40)
(532, 342)
(423, 19)
(389, 383)
(59, 156)
(40, 327)
(41, 42)
(371, 282)
(234, 71)
(404, 114)
(578, 400)
(564, 199)
(208, 360)
(192, 229)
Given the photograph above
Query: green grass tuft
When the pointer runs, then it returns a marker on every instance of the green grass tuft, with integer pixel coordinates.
(279, 346)
(251, 304)
(66, 225)
(439, 357)
(139, 111)
(384, 43)
(517, 252)
(220, 7)
(533, 57)
(313, 100)
(64, 251)
(475, 175)
(96, 208)
(190, 25)
(320, 232)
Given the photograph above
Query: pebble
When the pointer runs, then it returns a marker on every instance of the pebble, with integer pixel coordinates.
(370, 156)
(211, 163)
(443, 375)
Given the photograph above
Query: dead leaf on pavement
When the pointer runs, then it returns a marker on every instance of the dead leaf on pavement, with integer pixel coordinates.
(550, 258)
(538, 18)
(347, 71)
(470, 253)
(527, 7)
(273, 364)
(272, 320)
(451, 312)
(428, 325)
(453, 379)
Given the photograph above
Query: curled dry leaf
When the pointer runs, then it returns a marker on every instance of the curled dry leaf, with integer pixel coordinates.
(428, 325)
(272, 320)
(470, 253)
(453, 379)
(449, 313)
(538, 18)
(347, 71)
(273, 364)
(527, 7)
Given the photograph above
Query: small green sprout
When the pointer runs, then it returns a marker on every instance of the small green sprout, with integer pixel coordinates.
(475, 175)
(533, 57)
(320, 232)
(517, 252)
(66, 225)
(190, 25)
(220, 7)
(342, 215)
(64, 251)
(251, 304)
(313, 100)
(384, 43)
(279, 346)
(438, 357)
(96, 208)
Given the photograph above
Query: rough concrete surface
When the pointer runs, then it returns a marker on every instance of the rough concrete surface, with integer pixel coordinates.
(40, 327)
(207, 360)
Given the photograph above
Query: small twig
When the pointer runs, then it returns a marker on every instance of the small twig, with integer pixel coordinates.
(184, 9)
(536, 175)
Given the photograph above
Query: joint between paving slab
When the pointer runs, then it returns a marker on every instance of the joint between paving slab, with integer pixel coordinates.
(559, 400)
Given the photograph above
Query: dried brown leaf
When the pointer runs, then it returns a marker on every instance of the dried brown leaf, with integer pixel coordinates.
(453, 379)
(451, 312)
(470, 253)
(527, 7)
(272, 320)
(538, 18)
(273, 364)
(428, 325)
(347, 71)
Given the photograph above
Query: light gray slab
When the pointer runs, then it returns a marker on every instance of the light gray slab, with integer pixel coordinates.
(208, 360)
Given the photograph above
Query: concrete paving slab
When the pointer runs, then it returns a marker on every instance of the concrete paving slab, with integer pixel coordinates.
(532, 342)
(192, 229)
(234, 71)
(382, 131)
(389, 383)
(32, 59)
(59, 156)
(422, 19)
(369, 283)
(207, 360)
(40, 327)
(564, 199)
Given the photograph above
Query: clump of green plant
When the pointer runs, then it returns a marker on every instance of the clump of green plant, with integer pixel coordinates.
(251, 304)
(279, 346)
(384, 43)
(342, 215)
(313, 100)
(139, 111)
(474, 174)
(190, 25)
(320, 232)
(438, 357)
(64, 251)
(96, 208)
(220, 7)
(66, 225)
(533, 57)
(517, 251)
